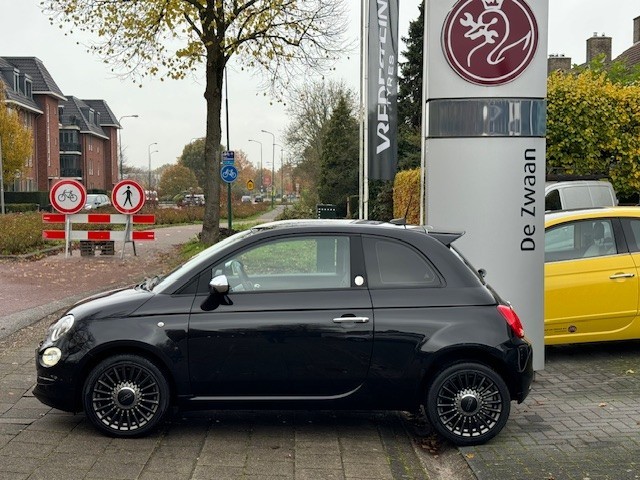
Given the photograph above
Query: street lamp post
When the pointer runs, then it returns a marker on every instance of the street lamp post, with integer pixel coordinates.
(260, 162)
(121, 158)
(281, 170)
(150, 152)
(273, 161)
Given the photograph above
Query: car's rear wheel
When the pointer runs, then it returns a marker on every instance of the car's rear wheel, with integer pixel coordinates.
(468, 403)
(126, 396)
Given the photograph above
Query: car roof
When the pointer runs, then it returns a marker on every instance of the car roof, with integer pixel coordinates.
(361, 226)
(554, 218)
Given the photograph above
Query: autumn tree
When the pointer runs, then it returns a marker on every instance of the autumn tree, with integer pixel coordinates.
(16, 141)
(593, 128)
(246, 172)
(193, 158)
(176, 179)
(340, 158)
(282, 39)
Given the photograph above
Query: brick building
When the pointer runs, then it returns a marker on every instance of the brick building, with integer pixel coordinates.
(72, 138)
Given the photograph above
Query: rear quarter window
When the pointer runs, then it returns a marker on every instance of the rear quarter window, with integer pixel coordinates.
(392, 263)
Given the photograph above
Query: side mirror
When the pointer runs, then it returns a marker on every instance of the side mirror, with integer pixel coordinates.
(482, 272)
(219, 284)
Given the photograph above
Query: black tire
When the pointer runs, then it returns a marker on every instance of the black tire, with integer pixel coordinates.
(125, 396)
(468, 403)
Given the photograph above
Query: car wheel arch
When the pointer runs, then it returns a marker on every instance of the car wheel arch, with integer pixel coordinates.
(465, 354)
(112, 350)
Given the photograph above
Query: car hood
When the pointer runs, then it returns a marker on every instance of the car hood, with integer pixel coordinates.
(114, 303)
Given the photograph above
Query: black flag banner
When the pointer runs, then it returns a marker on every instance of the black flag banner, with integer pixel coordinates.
(382, 89)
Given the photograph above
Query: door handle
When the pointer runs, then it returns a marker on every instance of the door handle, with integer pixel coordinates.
(351, 320)
(622, 275)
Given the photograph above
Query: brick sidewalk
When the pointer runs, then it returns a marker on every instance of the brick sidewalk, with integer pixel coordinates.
(581, 420)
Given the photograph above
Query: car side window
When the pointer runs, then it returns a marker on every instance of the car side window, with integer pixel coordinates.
(391, 263)
(552, 201)
(582, 239)
(632, 233)
(295, 263)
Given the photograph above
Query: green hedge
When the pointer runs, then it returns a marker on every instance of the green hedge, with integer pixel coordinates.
(37, 198)
(21, 207)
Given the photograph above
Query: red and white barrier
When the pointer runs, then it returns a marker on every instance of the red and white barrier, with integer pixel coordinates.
(98, 235)
(98, 218)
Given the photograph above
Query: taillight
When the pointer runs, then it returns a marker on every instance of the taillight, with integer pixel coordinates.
(512, 319)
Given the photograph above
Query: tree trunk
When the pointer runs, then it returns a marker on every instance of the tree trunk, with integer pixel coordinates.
(213, 97)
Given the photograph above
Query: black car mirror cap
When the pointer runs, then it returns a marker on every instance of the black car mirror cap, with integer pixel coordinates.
(219, 284)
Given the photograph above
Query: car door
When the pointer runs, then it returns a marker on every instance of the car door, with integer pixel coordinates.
(591, 294)
(294, 324)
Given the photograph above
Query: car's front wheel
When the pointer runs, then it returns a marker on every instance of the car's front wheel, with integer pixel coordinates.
(126, 396)
(468, 403)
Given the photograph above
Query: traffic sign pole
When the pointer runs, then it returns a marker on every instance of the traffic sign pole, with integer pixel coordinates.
(228, 174)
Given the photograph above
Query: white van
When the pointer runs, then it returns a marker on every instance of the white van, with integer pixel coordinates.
(571, 194)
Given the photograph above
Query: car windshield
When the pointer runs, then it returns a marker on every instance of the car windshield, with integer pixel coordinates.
(92, 198)
(165, 284)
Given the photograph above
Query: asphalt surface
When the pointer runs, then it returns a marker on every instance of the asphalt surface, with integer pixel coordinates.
(581, 420)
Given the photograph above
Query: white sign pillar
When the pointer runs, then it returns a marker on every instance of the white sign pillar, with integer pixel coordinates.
(484, 142)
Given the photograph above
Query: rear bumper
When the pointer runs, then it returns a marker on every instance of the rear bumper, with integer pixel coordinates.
(521, 360)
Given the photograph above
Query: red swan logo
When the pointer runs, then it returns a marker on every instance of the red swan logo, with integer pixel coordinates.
(490, 42)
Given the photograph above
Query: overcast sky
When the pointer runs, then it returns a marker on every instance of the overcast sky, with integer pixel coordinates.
(172, 113)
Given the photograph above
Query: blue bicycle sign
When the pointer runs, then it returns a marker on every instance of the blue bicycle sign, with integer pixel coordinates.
(229, 173)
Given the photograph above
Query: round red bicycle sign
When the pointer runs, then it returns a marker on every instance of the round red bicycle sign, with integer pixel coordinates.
(68, 196)
(127, 197)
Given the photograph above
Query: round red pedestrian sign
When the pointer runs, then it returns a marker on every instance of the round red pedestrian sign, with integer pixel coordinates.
(68, 196)
(127, 196)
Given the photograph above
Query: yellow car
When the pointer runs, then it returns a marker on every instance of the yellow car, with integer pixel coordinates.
(591, 270)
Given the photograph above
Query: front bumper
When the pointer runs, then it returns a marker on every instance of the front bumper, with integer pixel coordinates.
(55, 388)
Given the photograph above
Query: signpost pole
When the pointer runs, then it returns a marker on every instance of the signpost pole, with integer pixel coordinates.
(127, 237)
(229, 174)
(67, 235)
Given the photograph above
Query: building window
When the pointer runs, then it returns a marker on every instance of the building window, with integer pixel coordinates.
(28, 89)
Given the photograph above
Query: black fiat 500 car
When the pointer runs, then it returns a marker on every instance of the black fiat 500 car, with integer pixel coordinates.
(297, 314)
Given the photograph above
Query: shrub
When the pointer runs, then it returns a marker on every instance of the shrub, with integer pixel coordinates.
(21, 207)
(406, 195)
(21, 233)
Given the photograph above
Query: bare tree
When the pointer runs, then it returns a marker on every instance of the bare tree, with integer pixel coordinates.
(310, 107)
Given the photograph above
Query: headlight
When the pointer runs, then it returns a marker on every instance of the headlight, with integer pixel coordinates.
(50, 357)
(61, 327)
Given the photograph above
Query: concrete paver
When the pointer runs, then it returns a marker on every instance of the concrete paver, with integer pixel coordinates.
(581, 420)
